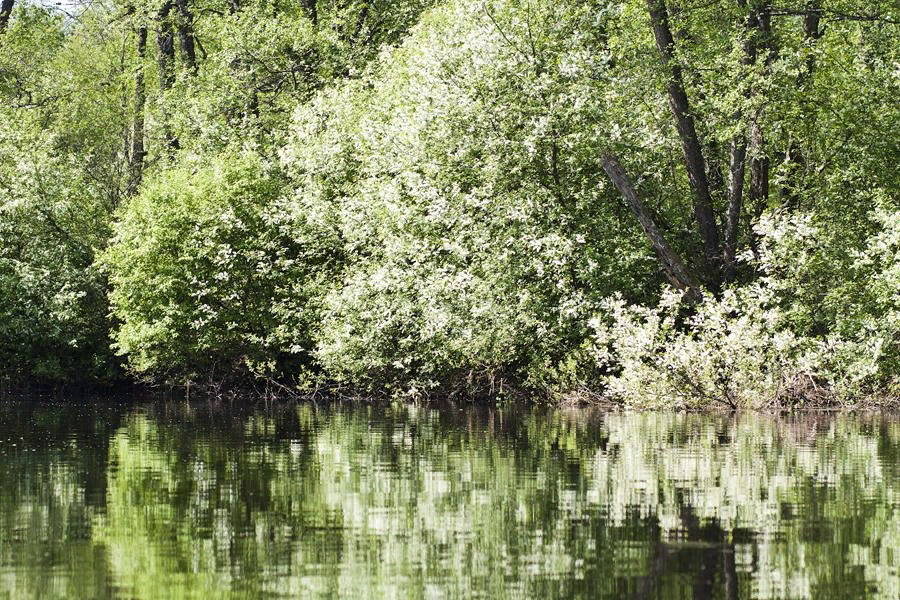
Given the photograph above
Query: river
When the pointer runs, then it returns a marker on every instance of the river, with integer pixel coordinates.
(169, 500)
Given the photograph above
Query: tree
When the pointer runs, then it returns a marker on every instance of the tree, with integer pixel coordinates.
(5, 12)
(206, 283)
(186, 36)
(137, 133)
(690, 143)
(63, 136)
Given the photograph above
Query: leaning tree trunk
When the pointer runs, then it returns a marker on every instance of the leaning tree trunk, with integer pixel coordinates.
(687, 132)
(5, 10)
(673, 267)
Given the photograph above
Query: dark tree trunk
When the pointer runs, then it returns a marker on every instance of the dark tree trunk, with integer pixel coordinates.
(137, 135)
(759, 159)
(165, 47)
(812, 32)
(313, 12)
(737, 166)
(759, 170)
(672, 265)
(5, 10)
(690, 143)
(186, 36)
(360, 21)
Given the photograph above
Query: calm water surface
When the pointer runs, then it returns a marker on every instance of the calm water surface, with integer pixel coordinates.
(170, 501)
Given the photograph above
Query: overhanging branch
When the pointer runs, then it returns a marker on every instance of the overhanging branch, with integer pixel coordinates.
(833, 15)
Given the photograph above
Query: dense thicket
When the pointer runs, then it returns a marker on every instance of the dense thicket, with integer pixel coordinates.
(459, 195)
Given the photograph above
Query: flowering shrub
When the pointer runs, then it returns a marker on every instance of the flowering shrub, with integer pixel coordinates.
(770, 343)
(732, 352)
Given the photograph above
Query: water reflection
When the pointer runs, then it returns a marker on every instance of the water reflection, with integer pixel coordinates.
(167, 501)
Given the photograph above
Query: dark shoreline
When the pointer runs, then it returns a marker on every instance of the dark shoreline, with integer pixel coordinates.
(243, 394)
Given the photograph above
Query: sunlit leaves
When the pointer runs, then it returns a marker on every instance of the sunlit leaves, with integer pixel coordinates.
(206, 277)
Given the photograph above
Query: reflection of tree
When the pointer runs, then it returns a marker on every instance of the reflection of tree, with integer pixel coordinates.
(52, 468)
(794, 499)
(404, 502)
(350, 510)
(189, 515)
(381, 502)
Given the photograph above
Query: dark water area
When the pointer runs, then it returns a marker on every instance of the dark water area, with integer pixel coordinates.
(164, 500)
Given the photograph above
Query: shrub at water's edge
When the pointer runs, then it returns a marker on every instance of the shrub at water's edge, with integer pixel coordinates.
(212, 276)
(786, 340)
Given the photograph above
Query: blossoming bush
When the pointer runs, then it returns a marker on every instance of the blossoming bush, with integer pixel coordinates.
(733, 352)
(779, 341)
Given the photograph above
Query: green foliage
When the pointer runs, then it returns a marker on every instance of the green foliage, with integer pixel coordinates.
(822, 313)
(58, 183)
(411, 195)
(210, 271)
(733, 352)
(478, 229)
(52, 299)
(257, 64)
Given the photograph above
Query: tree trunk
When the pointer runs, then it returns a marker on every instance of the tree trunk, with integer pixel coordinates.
(165, 46)
(759, 160)
(186, 36)
(690, 143)
(760, 163)
(5, 11)
(812, 32)
(360, 21)
(137, 135)
(674, 269)
(759, 174)
(737, 166)
(313, 12)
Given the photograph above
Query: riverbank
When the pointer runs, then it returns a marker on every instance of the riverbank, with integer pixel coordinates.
(249, 393)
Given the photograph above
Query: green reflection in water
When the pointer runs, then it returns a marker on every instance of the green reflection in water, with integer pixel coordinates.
(402, 502)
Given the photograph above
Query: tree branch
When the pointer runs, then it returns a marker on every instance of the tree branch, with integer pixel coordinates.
(833, 15)
(672, 265)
